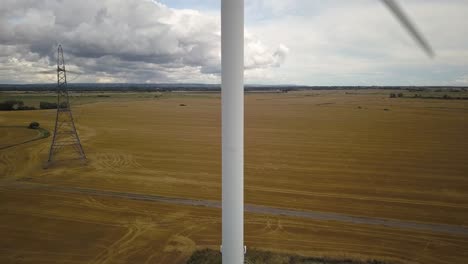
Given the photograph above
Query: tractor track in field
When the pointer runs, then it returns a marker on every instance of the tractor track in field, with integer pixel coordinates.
(41, 134)
(249, 208)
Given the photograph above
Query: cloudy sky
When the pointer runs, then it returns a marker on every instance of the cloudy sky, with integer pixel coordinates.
(312, 42)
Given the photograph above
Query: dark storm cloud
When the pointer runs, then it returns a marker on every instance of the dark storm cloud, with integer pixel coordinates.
(125, 39)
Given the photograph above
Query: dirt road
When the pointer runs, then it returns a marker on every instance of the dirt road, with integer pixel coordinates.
(250, 208)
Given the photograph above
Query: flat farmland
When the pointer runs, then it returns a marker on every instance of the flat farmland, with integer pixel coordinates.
(357, 153)
(15, 135)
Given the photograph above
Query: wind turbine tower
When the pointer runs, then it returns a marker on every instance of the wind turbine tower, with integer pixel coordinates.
(232, 94)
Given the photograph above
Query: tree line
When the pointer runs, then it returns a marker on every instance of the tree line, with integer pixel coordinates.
(17, 105)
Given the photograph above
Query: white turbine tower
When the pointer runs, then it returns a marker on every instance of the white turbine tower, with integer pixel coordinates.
(232, 92)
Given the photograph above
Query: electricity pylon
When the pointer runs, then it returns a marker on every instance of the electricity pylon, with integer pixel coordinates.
(65, 135)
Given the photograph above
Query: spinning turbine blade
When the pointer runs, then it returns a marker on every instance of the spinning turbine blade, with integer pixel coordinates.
(405, 21)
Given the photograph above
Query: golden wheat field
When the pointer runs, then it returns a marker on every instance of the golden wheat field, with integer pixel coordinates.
(356, 153)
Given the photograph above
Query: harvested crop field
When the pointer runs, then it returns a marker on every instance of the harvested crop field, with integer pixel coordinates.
(359, 154)
(14, 135)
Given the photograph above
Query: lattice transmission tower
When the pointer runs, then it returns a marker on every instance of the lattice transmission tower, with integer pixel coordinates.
(65, 138)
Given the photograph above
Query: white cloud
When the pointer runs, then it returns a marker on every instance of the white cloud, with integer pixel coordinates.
(259, 55)
(360, 42)
(118, 40)
(318, 42)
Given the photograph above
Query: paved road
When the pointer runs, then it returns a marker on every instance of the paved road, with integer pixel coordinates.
(251, 208)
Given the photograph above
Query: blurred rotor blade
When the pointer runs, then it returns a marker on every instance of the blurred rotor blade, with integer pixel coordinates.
(405, 21)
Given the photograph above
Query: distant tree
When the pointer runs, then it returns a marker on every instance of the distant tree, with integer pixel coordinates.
(47, 105)
(400, 95)
(4, 106)
(10, 105)
(63, 105)
(34, 125)
(17, 104)
(26, 108)
(392, 95)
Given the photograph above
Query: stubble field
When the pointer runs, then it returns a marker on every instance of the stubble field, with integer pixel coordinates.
(359, 154)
